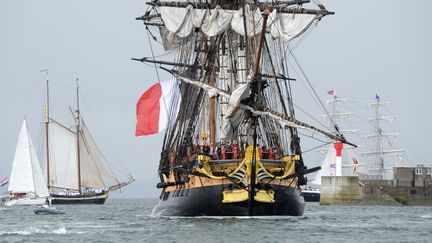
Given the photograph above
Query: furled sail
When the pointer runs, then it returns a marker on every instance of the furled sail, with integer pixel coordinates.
(26, 175)
(182, 21)
(283, 120)
(63, 156)
(231, 58)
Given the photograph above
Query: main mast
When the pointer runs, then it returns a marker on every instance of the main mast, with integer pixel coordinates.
(255, 120)
(78, 123)
(46, 135)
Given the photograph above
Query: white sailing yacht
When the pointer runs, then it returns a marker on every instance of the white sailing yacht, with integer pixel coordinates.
(27, 185)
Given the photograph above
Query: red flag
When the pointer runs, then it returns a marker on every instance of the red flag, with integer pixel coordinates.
(330, 92)
(153, 109)
(147, 111)
(355, 165)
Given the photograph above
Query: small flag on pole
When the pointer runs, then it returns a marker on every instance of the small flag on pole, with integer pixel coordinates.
(377, 97)
(330, 92)
(355, 165)
(3, 182)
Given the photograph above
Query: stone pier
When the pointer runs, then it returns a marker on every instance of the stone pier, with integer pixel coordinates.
(340, 190)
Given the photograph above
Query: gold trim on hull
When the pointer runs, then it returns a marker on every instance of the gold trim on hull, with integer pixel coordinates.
(234, 196)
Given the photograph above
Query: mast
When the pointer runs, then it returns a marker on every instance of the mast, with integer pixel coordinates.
(380, 152)
(334, 117)
(78, 124)
(46, 135)
(255, 123)
(379, 145)
(212, 109)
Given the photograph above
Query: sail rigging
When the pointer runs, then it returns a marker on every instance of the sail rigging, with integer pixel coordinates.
(236, 132)
(74, 162)
(215, 39)
(380, 154)
(63, 156)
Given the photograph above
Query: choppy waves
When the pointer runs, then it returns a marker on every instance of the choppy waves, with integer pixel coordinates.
(131, 221)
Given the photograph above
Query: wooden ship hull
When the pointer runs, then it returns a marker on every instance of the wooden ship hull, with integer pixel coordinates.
(96, 199)
(222, 188)
(208, 201)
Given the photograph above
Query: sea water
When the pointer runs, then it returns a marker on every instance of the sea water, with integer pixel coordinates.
(121, 220)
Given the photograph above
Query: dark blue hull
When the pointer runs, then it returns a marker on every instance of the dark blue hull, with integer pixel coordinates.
(207, 201)
(311, 196)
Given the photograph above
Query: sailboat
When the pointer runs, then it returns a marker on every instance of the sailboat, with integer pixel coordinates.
(27, 185)
(231, 145)
(76, 170)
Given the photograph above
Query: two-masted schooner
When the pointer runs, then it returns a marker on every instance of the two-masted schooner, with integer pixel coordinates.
(231, 146)
(76, 170)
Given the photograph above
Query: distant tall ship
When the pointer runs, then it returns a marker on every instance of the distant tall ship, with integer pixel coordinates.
(76, 170)
(384, 154)
(27, 185)
(232, 145)
(338, 159)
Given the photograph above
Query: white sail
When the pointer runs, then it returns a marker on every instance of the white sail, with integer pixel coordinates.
(183, 21)
(41, 189)
(26, 175)
(21, 178)
(328, 166)
(94, 167)
(63, 156)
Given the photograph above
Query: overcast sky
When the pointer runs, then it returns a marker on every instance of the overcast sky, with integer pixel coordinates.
(367, 47)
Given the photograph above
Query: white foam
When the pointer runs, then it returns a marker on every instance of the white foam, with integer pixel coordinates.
(60, 231)
(35, 230)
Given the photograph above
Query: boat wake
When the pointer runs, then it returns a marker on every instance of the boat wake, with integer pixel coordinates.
(34, 230)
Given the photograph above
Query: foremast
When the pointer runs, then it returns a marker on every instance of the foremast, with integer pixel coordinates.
(78, 131)
(257, 97)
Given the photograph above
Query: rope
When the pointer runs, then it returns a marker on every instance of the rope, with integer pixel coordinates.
(153, 56)
(311, 88)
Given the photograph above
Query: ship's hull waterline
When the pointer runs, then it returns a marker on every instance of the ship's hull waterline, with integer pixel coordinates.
(207, 201)
(99, 199)
(25, 202)
(311, 196)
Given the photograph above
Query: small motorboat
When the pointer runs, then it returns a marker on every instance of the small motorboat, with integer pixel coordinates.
(42, 210)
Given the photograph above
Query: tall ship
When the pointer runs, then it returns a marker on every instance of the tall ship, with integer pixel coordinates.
(383, 154)
(337, 159)
(231, 145)
(76, 170)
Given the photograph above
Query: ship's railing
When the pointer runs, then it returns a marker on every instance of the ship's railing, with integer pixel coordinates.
(220, 169)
